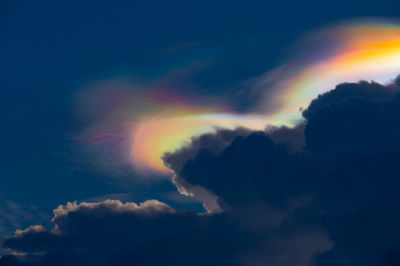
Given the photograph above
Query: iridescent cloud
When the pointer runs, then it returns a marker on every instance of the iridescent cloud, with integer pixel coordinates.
(347, 52)
(158, 134)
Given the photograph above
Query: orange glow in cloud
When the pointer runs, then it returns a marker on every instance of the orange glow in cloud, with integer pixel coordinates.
(345, 53)
(148, 122)
(354, 52)
(161, 133)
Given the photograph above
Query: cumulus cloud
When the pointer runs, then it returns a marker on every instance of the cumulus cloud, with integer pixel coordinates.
(113, 233)
(323, 193)
(148, 207)
(14, 215)
(211, 142)
(346, 175)
(67, 220)
(95, 233)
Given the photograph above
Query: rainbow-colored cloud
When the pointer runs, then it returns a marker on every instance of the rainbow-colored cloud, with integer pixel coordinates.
(158, 134)
(347, 52)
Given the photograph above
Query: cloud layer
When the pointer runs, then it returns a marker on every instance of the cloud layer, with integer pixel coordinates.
(323, 193)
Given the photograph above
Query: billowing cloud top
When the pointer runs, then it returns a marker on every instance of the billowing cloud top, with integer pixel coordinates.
(347, 52)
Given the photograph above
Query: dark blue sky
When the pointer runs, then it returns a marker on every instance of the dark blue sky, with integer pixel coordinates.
(49, 50)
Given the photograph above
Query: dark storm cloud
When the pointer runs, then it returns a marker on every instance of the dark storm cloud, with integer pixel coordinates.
(323, 193)
(353, 118)
(113, 233)
(346, 180)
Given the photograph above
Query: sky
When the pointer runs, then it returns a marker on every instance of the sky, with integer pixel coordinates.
(244, 130)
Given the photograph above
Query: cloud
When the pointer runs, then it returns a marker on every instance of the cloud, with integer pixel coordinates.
(14, 215)
(212, 142)
(122, 115)
(322, 193)
(99, 234)
(345, 180)
(69, 223)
